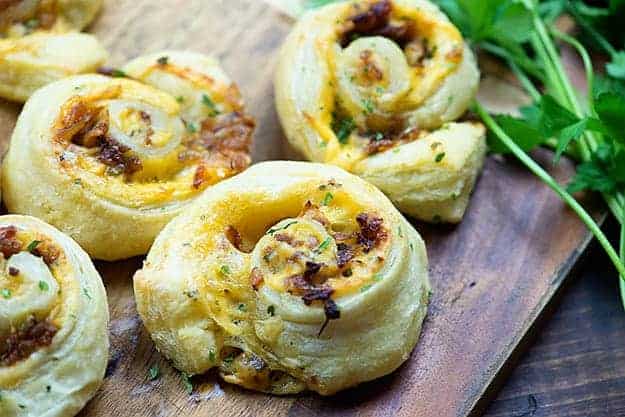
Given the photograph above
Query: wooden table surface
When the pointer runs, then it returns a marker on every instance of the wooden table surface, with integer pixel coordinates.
(575, 364)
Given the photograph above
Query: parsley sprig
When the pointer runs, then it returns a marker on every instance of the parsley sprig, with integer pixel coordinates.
(590, 129)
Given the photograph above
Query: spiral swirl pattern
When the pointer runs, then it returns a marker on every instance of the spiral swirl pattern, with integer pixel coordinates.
(129, 152)
(306, 279)
(40, 43)
(375, 86)
(53, 321)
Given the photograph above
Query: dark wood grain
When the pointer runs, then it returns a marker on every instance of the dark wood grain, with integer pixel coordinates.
(576, 366)
(492, 275)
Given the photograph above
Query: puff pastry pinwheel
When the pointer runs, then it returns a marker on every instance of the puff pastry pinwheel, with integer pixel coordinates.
(110, 161)
(375, 87)
(53, 321)
(290, 276)
(40, 43)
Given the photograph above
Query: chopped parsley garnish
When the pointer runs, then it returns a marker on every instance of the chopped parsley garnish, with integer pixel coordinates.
(271, 310)
(278, 229)
(164, 60)
(377, 277)
(378, 136)
(180, 99)
(327, 199)
(439, 157)
(229, 359)
(225, 270)
(43, 286)
(191, 128)
(85, 291)
(366, 288)
(242, 307)
(188, 386)
(33, 245)
(400, 232)
(48, 388)
(211, 355)
(368, 106)
(117, 73)
(6, 293)
(154, 372)
(323, 246)
(343, 128)
(206, 100)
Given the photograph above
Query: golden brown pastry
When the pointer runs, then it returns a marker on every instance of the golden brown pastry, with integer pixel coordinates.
(53, 322)
(40, 43)
(290, 276)
(374, 86)
(110, 161)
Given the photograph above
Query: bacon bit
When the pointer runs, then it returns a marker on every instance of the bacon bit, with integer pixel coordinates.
(230, 132)
(200, 176)
(316, 294)
(78, 119)
(312, 211)
(48, 252)
(369, 68)
(189, 155)
(9, 245)
(302, 283)
(256, 277)
(331, 311)
(297, 284)
(371, 231)
(113, 154)
(13, 271)
(379, 145)
(376, 22)
(283, 237)
(21, 344)
(344, 254)
(234, 237)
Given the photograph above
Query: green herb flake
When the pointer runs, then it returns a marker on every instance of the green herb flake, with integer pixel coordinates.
(378, 277)
(164, 60)
(271, 310)
(85, 291)
(327, 199)
(343, 128)
(439, 157)
(33, 245)
(180, 99)
(242, 307)
(369, 107)
(43, 286)
(211, 356)
(323, 246)
(154, 372)
(117, 73)
(225, 270)
(6, 293)
(278, 229)
(366, 288)
(191, 128)
(186, 382)
(213, 111)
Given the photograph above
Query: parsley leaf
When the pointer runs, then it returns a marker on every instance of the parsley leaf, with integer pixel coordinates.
(154, 372)
(343, 128)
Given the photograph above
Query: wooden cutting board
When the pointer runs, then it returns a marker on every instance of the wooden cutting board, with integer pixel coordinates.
(493, 275)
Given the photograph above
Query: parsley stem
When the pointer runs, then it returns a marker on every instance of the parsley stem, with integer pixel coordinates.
(622, 253)
(524, 80)
(553, 184)
(594, 34)
(526, 64)
(583, 53)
